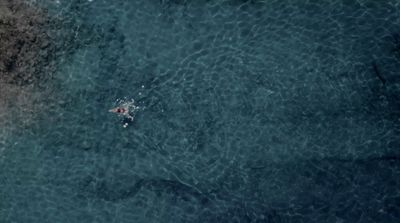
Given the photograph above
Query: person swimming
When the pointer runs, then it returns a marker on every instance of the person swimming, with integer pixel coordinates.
(126, 109)
(119, 110)
(123, 111)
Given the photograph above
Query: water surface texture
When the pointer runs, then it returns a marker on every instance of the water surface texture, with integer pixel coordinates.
(249, 111)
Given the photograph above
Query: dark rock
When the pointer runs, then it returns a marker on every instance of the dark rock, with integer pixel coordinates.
(23, 37)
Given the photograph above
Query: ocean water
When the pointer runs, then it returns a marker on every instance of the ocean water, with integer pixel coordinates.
(248, 111)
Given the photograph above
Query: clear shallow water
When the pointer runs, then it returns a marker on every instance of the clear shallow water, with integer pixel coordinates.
(250, 112)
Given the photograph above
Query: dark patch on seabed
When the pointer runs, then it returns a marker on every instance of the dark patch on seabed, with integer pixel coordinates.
(245, 111)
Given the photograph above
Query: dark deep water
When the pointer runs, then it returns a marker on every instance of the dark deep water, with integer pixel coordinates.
(250, 111)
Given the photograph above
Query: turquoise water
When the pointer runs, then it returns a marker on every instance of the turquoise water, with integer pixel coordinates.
(249, 111)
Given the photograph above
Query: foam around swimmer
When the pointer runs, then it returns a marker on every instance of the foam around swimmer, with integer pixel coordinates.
(126, 109)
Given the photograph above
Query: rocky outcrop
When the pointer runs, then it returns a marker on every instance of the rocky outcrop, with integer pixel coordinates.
(26, 47)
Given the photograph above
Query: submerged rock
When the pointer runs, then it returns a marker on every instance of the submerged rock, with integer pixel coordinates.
(26, 47)
(27, 62)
